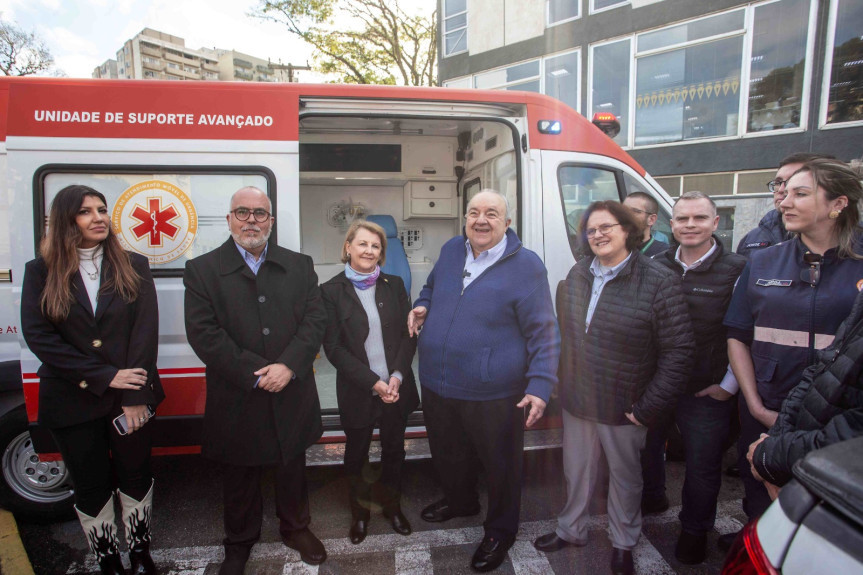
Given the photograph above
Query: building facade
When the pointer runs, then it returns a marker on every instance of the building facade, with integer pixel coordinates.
(154, 55)
(710, 95)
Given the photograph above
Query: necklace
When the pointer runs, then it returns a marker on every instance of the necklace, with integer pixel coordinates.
(93, 275)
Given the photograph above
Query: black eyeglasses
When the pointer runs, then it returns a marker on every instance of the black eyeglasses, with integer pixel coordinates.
(774, 186)
(260, 214)
(812, 275)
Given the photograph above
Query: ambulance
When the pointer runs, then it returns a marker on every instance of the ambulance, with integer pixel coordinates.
(169, 155)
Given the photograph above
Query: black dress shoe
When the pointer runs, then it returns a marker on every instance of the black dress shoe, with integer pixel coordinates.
(359, 530)
(490, 554)
(400, 523)
(732, 470)
(235, 560)
(651, 506)
(621, 562)
(691, 548)
(724, 542)
(310, 547)
(441, 511)
(551, 542)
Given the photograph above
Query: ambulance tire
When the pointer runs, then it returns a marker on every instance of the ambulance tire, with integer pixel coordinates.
(39, 491)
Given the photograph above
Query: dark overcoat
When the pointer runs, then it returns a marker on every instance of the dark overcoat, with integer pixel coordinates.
(237, 323)
(344, 343)
(81, 355)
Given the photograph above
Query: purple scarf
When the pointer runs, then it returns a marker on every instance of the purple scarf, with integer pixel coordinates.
(362, 281)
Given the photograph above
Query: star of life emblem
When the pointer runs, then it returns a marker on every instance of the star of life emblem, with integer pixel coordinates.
(156, 219)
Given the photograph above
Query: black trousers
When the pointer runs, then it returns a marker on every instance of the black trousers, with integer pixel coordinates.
(463, 433)
(757, 499)
(361, 475)
(244, 505)
(100, 459)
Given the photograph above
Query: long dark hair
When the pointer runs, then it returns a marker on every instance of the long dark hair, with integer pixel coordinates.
(58, 249)
(623, 216)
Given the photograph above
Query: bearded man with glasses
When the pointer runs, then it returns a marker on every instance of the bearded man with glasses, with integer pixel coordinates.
(255, 317)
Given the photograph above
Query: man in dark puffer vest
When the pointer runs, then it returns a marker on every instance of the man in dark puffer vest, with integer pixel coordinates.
(826, 407)
(708, 274)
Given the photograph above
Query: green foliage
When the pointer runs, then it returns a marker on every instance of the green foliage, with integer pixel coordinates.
(362, 41)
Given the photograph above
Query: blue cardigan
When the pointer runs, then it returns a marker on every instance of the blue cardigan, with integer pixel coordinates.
(494, 339)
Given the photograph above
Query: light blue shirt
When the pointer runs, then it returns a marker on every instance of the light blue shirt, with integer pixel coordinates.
(601, 276)
(474, 266)
(250, 260)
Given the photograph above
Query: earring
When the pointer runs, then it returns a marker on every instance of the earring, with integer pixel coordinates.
(834, 214)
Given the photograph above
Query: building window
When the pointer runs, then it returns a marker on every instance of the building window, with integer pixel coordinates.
(691, 91)
(686, 82)
(609, 83)
(776, 67)
(455, 27)
(459, 83)
(561, 75)
(844, 93)
(560, 11)
(523, 76)
(600, 5)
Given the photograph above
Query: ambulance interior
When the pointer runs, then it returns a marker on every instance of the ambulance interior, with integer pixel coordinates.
(418, 171)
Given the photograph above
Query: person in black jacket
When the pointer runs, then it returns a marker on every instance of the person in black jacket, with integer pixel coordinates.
(826, 407)
(255, 317)
(703, 414)
(626, 354)
(368, 343)
(89, 313)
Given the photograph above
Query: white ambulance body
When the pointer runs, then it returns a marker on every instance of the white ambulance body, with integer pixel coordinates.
(168, 156)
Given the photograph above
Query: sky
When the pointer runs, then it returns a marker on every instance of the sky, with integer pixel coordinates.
(82, 34)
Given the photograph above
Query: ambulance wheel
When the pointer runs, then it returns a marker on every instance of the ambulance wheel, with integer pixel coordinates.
(36, 490)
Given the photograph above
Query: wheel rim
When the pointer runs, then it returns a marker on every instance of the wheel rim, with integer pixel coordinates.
(34, 480)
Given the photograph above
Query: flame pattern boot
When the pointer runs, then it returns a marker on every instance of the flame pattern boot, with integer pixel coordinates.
(102, 536)
(137, 516)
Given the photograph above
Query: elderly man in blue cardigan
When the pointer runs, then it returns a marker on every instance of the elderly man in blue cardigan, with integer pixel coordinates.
(489, 348)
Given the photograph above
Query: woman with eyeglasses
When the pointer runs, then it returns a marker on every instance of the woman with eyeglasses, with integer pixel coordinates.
(791, 298)
(626, 351)
(368, 343)
(89, 313)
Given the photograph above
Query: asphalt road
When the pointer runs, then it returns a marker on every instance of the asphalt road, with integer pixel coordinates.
(188, 528)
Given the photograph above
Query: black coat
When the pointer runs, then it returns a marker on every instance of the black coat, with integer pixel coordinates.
(237, 323)
(344, 343)
(81, 354)
(707, 290)
(637, 355)
(826, 407)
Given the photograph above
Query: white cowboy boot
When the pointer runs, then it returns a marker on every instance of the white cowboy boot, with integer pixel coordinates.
(102, 536)
(137, 516)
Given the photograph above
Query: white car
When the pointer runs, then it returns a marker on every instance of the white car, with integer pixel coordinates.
(816, 523)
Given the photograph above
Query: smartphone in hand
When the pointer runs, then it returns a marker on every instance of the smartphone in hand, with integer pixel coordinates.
(120, 421)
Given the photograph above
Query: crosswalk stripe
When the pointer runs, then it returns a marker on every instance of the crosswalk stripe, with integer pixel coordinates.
(414, 561)
(413, 553)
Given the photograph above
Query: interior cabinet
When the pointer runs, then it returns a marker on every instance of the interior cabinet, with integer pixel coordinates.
(430, 200)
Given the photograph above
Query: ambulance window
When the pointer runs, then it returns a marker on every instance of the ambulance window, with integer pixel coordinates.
(502, 176)
(661, 230)
(579, 186)
(170, 217)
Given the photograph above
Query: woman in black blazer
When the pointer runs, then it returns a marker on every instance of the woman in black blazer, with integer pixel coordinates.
(368, 343)
(89, 313)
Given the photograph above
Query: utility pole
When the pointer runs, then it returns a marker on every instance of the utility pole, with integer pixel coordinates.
(289, 67)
